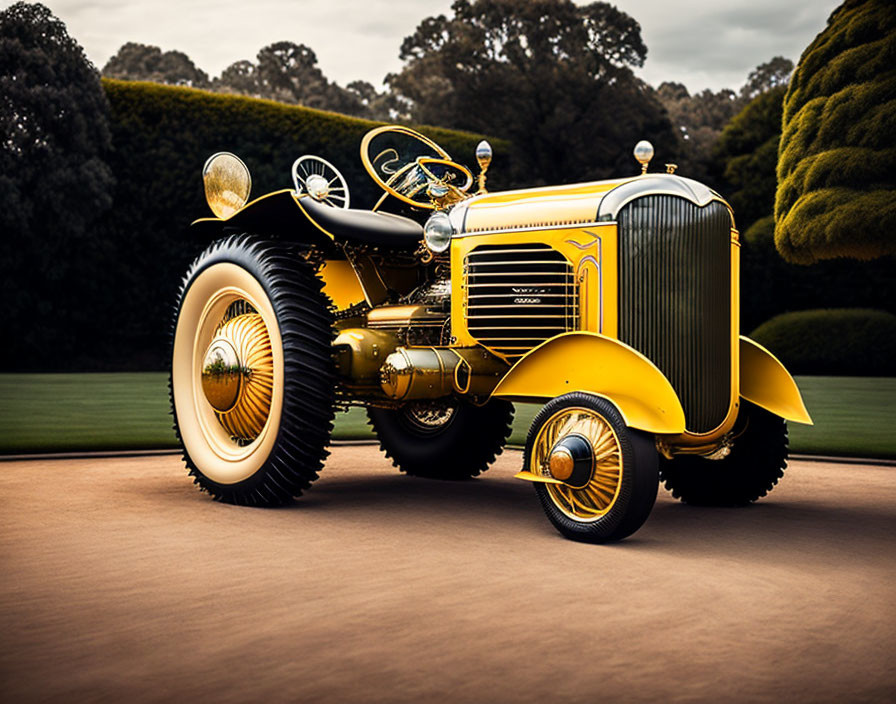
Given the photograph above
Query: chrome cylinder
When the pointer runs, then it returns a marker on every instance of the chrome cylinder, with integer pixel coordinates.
(433, 372)
(360, 354)
(418, 372)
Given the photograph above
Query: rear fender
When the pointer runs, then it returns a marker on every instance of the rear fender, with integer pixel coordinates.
(276, 214)
(599, 365)
(765, 382)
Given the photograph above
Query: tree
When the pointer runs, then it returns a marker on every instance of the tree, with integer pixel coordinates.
(144, 62)
(698, 120)
(836, 194)
(765, 77)
(288, 73)
(54, 180)
(747, 150)
(375, 105)
(552, 76)
(241, 77)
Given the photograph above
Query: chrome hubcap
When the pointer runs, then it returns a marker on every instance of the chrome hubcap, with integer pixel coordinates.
(222, 375)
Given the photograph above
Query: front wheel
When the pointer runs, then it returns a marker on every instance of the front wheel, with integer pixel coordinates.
(600, 477)
(251, 374)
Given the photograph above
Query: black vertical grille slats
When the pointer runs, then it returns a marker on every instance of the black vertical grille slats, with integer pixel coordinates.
(518, 296)
(675, 298)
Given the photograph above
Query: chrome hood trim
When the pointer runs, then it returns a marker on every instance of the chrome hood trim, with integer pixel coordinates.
(655, 184)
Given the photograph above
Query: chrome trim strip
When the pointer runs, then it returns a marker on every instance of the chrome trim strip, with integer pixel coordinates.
(598, 263)
(653, 185)
(532, 228)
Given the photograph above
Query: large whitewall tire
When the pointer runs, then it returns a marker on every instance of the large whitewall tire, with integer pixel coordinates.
(260, 303)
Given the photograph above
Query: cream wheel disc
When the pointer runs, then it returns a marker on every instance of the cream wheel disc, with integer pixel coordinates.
(225, 302)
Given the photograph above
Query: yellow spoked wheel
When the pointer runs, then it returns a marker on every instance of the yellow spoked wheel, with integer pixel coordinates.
(251, 374)
(597, 478)
(592, 500)
(238, 373)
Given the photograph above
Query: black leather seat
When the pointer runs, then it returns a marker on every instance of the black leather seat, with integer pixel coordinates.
(364, 226)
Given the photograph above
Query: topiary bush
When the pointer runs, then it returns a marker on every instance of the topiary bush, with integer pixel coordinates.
(836, 194)
(834, 342)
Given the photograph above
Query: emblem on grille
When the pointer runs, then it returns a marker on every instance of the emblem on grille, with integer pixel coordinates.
(527, 298)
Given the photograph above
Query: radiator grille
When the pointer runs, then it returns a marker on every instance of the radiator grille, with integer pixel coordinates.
(675, 299)
(518, 296)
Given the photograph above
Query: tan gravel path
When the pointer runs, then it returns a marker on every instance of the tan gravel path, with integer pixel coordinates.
(120, 582)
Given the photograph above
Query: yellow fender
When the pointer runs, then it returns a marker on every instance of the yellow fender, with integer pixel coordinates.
(765, 382)
(599, 365)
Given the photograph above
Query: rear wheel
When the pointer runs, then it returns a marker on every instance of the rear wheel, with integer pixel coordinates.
(252, 376)
(444, 438)
(756, 462)
(600, 476)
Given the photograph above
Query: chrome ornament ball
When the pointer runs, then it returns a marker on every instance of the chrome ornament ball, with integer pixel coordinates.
(643, 153)
(318, 187)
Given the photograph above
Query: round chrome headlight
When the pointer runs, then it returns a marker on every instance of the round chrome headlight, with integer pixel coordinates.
(227, 183)
(437, 232)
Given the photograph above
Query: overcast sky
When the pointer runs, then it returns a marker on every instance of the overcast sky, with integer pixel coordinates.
(701, 43)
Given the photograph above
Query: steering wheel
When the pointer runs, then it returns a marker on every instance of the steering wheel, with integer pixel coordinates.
(443, 177)
(413, 168)
(321, 180)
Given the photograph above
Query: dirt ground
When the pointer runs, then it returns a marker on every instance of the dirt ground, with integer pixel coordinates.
(121, 582)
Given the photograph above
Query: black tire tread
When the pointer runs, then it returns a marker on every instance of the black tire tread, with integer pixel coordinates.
(466, 449)
(757, 461)
(306, 328)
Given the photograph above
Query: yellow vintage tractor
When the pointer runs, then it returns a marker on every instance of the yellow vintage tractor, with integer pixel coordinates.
(612, 303)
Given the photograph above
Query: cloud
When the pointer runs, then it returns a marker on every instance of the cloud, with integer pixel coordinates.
(715, 45)
(696, 42)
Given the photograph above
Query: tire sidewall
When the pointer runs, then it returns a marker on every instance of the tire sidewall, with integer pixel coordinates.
(639, 481)
(248, 258)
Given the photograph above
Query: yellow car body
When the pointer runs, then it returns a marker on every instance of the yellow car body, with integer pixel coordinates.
(615, 303)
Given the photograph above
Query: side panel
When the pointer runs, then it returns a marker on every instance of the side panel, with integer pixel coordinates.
(341, 283)
(765, 382)
(583, 361)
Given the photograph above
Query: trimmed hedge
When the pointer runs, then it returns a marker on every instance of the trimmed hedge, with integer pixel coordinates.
(139, 250)
(770, 285)
(836, 194)
(836, 342)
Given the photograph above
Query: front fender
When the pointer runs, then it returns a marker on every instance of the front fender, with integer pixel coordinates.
(600, 365)
(765, 382)
(275, 214)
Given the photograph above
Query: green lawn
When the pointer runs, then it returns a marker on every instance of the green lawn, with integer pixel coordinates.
(854, 416)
